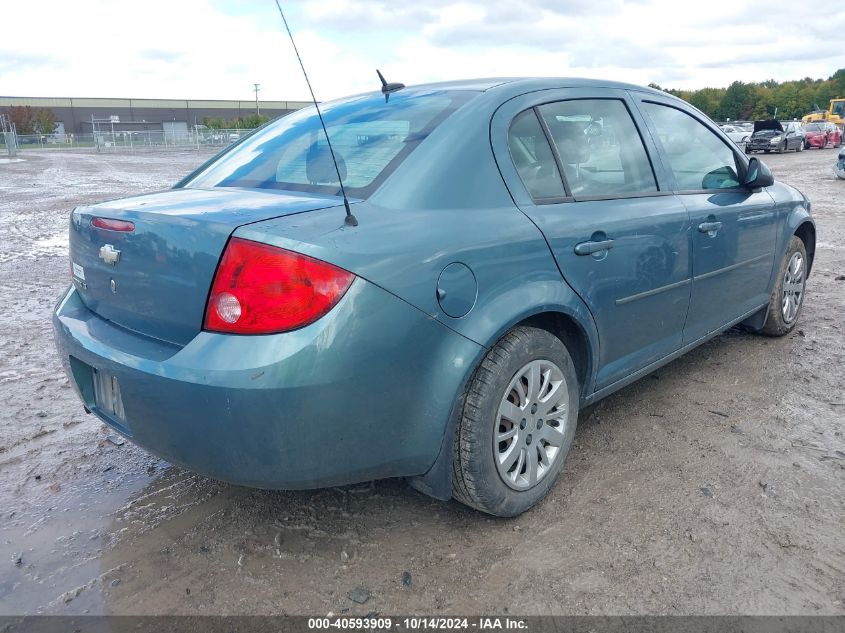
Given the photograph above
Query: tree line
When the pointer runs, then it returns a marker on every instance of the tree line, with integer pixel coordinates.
(248, 122)
(754, 101)
(29, 120)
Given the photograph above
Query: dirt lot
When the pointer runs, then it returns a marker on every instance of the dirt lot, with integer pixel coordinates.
(713, 486)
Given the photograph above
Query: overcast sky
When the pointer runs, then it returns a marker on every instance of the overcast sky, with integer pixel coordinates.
(216, 49)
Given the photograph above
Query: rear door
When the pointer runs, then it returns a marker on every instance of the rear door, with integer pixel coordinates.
(733, 227)
(576, 163)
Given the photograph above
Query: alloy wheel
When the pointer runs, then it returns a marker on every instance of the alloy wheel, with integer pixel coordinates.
(531, 424)
(793, 287)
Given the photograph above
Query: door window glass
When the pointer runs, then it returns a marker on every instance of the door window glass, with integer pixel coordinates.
(600, 149)
(695, 155)
(533, 157)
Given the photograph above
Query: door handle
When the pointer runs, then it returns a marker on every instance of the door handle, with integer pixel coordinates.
(709, 227)
(588, 248)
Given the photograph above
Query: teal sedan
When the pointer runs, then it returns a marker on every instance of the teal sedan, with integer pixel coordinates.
(521, 249)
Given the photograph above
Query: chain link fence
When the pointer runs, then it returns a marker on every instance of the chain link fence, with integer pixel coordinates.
(108, 141)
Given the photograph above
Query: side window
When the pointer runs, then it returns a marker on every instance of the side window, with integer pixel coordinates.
(600, 149)
(697, 157)
(533, 157)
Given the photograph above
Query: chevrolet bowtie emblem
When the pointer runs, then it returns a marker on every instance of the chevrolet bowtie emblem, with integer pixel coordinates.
(109, 254)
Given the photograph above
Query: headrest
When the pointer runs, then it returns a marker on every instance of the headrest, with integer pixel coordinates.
(319, 167)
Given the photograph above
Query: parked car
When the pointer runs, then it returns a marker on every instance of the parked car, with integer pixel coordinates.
(776, 136)
(496, 269)
(822, 134)
(737, 134)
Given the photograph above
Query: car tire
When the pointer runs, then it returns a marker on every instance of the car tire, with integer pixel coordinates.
(781, 148)
(788, 294)
(490, 447)
(766, 151)
(800, 147)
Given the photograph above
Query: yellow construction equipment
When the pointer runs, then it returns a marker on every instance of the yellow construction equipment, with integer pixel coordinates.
(834, 114)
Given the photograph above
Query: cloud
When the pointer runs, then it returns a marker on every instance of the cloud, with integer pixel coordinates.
(16, 61)
(161, 55)
(217, 49)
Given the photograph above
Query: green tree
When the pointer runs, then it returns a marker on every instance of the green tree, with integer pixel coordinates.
(254, 120)
(708, 100)
(214, 122)
(737, 103)
(43, 121)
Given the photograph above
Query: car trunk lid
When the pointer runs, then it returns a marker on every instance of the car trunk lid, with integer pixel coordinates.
(154, 279)
(771, 127)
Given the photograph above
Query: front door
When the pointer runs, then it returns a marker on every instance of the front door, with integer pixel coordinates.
(620, 241)
(733, 227)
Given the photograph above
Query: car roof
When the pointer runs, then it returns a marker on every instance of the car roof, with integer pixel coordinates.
(530, 83)
(507, 87)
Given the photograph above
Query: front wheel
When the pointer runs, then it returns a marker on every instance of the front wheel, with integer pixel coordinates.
(781, 148)
(788, 294)
(517, 423)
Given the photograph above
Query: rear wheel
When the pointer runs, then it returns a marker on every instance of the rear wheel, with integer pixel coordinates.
(517, 423)
(788, 294)
(801, 147)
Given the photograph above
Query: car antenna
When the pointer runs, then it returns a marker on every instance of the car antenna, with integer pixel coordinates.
(387, 88)
(351, 220)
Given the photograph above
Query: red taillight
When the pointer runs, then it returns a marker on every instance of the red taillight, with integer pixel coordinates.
(262, 289)
(124, 226)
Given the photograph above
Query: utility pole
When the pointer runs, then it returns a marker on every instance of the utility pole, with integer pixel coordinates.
(257, 88)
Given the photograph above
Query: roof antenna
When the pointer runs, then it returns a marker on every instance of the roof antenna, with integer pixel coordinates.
(351, 220)
(387, 88)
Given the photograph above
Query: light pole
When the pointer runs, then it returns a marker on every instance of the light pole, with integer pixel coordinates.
(257, 109)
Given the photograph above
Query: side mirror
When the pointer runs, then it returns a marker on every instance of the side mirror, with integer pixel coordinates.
(758, 174)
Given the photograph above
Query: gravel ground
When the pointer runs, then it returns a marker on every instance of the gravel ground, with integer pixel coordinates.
(714, 486)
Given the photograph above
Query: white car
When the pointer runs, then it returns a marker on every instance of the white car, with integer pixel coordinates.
(736, 133)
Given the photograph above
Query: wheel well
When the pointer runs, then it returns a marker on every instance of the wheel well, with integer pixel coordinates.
(807, 234)
(572, 335)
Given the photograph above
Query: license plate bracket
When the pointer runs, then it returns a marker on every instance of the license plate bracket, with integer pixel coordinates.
(107, 395)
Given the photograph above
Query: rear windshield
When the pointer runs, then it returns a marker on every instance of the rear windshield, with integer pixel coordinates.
(370, 138)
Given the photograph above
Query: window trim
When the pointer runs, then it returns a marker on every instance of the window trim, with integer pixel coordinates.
(553, 146)
(567, 197)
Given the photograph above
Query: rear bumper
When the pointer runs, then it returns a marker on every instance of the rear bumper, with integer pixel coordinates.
(364, 393)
